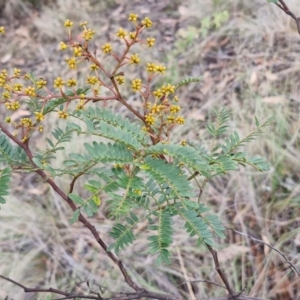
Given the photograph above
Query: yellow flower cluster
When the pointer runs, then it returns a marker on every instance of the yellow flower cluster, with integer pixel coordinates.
(12, 105)
(62, 114)
(71, 82)
(58, 82)
(26, 122)
(150, 119)
(136, 84)
(120, 79)
(17, 87)
(147, 22)
(88, 34)
(3, 76)
(30, 91)
(132, 17)
(68, 23)
(41, 83)
(2, 30)
(94, 67)
(134, 59)
(39, 116)
(107, 48)
(77, 51)
(121, 33)
(92, 80)
(71, 62)
(150, 42)
(17, 73)
(62, 46)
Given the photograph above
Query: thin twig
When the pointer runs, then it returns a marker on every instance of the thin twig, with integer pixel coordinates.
(282, 5)
(293, 268)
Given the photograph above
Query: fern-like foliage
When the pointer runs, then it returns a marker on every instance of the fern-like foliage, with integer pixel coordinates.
(219, 127)
(106, 123)
(5, 175)
(186, 155)
(11, 155)
(195, 225)
(169, 174)
(123, 235)
(161, 242)
(188, 80)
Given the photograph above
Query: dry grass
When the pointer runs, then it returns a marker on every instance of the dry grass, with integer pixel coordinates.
(251, 65)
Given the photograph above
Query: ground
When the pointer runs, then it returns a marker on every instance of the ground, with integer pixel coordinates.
(248, 56)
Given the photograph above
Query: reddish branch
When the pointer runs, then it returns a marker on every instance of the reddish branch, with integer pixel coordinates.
(285, 8)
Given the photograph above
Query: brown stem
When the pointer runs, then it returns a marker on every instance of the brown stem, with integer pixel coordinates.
(214, 254)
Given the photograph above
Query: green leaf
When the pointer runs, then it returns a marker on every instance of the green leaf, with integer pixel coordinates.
(75, 216)
(76, 199)
(160, 242)
(169, 174)
(187, 81)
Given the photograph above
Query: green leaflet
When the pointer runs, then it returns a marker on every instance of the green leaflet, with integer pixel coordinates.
(123, 235)
(12, 155)
(169, 174)
(106, 123)
(160, 242)
(188, 80)
(5, 176)
(187, 155)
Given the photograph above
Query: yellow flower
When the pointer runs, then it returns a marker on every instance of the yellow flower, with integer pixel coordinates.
(30, 91)
(71, 82)
(151, 67)
(132, 17)
(132, 35)
(88, 34)
(120, 79)
(8, 120)
(150, 119)
(71, 62)
(175, 109)
(107, 48)
(6, 95)
(161, 69)
(62, 46)
(179, 120)
(2, 30)
(68, 23)
(82, 24)
(62, 114)
(39, 116)
(150, 42)
(17, 87)
(94, 67)
(17, 72)
(15, 105)
(92, 80)
(41, 83)
(134, 59)
(26, 122)
(121, 33)
(27, 76)
(147, 22)
(77, 51)
(168, 89)
(58, 82)
(40, 128)
(158, 93)
(136, 84)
